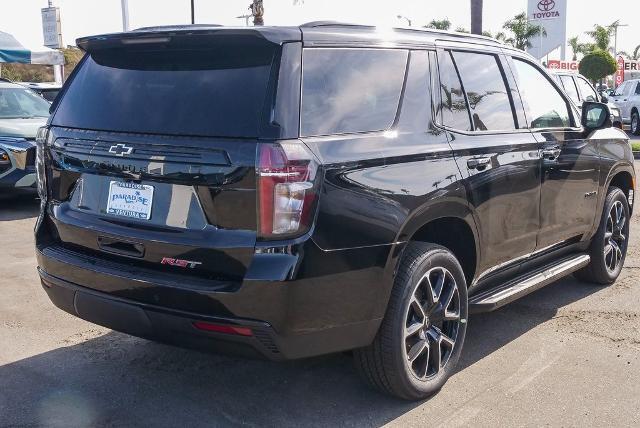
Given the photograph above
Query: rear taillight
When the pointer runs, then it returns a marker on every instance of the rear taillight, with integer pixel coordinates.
(42, 140)
(41, 177)
(287, 189)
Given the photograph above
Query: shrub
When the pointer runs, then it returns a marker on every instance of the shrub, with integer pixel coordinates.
(598, 65)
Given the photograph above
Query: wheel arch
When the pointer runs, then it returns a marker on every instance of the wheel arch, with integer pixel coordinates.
(622, 177)
(450, 224)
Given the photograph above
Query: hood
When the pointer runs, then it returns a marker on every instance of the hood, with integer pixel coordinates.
(22, 128)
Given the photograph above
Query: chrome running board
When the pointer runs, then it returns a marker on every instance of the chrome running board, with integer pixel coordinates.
(494, 298)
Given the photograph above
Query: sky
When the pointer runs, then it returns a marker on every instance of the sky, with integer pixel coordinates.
(86, 17)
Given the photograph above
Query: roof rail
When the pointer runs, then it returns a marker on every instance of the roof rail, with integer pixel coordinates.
(316, 24)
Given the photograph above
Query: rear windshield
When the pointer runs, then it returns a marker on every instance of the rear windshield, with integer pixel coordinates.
(214, 91)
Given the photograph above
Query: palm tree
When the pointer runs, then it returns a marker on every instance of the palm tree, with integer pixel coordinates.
(257, 11)
(601, 37)
(443, 24)
(636, 53)
(576, 47)
(522, 31)
(500, 36)
(476, 16)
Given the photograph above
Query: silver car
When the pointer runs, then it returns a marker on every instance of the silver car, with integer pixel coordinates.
(22, 112)
(627, 98)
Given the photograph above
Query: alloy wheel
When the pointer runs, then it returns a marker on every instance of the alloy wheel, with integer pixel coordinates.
(635, 124)
(432, 323)
(614, 237)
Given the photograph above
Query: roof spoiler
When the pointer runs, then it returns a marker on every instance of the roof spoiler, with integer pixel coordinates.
(176, 36)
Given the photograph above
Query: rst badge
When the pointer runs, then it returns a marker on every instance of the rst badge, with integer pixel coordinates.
(179, 263)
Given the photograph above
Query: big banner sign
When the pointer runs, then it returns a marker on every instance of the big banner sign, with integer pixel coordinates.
(552, 15)
(571, 66)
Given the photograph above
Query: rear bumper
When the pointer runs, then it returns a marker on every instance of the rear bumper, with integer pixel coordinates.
(336, 303)
(158, 323)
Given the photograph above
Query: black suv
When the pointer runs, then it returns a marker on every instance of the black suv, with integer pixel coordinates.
(296, 191)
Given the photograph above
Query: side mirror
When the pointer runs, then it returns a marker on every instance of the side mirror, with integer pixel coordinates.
(595, 116)
(604, 99)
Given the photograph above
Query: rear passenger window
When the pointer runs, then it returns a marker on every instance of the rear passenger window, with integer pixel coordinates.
(350, 90)
(544, 105)
(455, 113)
(570, 88)
(486, 90)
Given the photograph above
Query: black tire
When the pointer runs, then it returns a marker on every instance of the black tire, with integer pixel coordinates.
(635, 123)
(603, 269)
(385, 363)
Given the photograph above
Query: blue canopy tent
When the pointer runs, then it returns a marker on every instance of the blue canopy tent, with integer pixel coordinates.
(12, 50)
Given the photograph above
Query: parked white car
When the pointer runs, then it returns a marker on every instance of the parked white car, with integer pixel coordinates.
(580, 90)
(627, 98)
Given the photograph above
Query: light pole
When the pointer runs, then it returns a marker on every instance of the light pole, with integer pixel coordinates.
(404, 17)
(125, 14)
(193, 16)
(615, 26)
(58, 69)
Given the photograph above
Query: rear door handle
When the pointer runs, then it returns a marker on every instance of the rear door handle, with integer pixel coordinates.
(478, 163)
(551, 153)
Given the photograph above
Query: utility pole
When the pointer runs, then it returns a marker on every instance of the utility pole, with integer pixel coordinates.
(125, 14)
(193, 16)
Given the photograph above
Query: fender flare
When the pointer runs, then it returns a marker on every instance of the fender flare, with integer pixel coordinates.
(453, 207)
(618, 167)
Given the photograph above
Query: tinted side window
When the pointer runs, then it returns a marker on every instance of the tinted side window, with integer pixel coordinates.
(486, 91)
(586, 90)
(544, 105)
(570, 88)
(350, 90)
(455, 113)
(638, 89)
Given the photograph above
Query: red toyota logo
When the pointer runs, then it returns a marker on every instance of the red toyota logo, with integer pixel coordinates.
(546, 5)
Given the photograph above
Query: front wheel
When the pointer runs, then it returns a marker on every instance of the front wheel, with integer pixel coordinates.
(608, 248)
(421, 337)
(635, 123)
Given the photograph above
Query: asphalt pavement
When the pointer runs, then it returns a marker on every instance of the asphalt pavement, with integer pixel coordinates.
(567, 355)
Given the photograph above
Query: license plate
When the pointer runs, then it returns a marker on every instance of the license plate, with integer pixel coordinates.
(130, 200)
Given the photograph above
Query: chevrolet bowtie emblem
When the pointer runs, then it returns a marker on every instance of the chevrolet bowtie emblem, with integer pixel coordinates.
(120, 150)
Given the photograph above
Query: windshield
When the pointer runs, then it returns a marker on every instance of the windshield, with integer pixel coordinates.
(18, 103)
